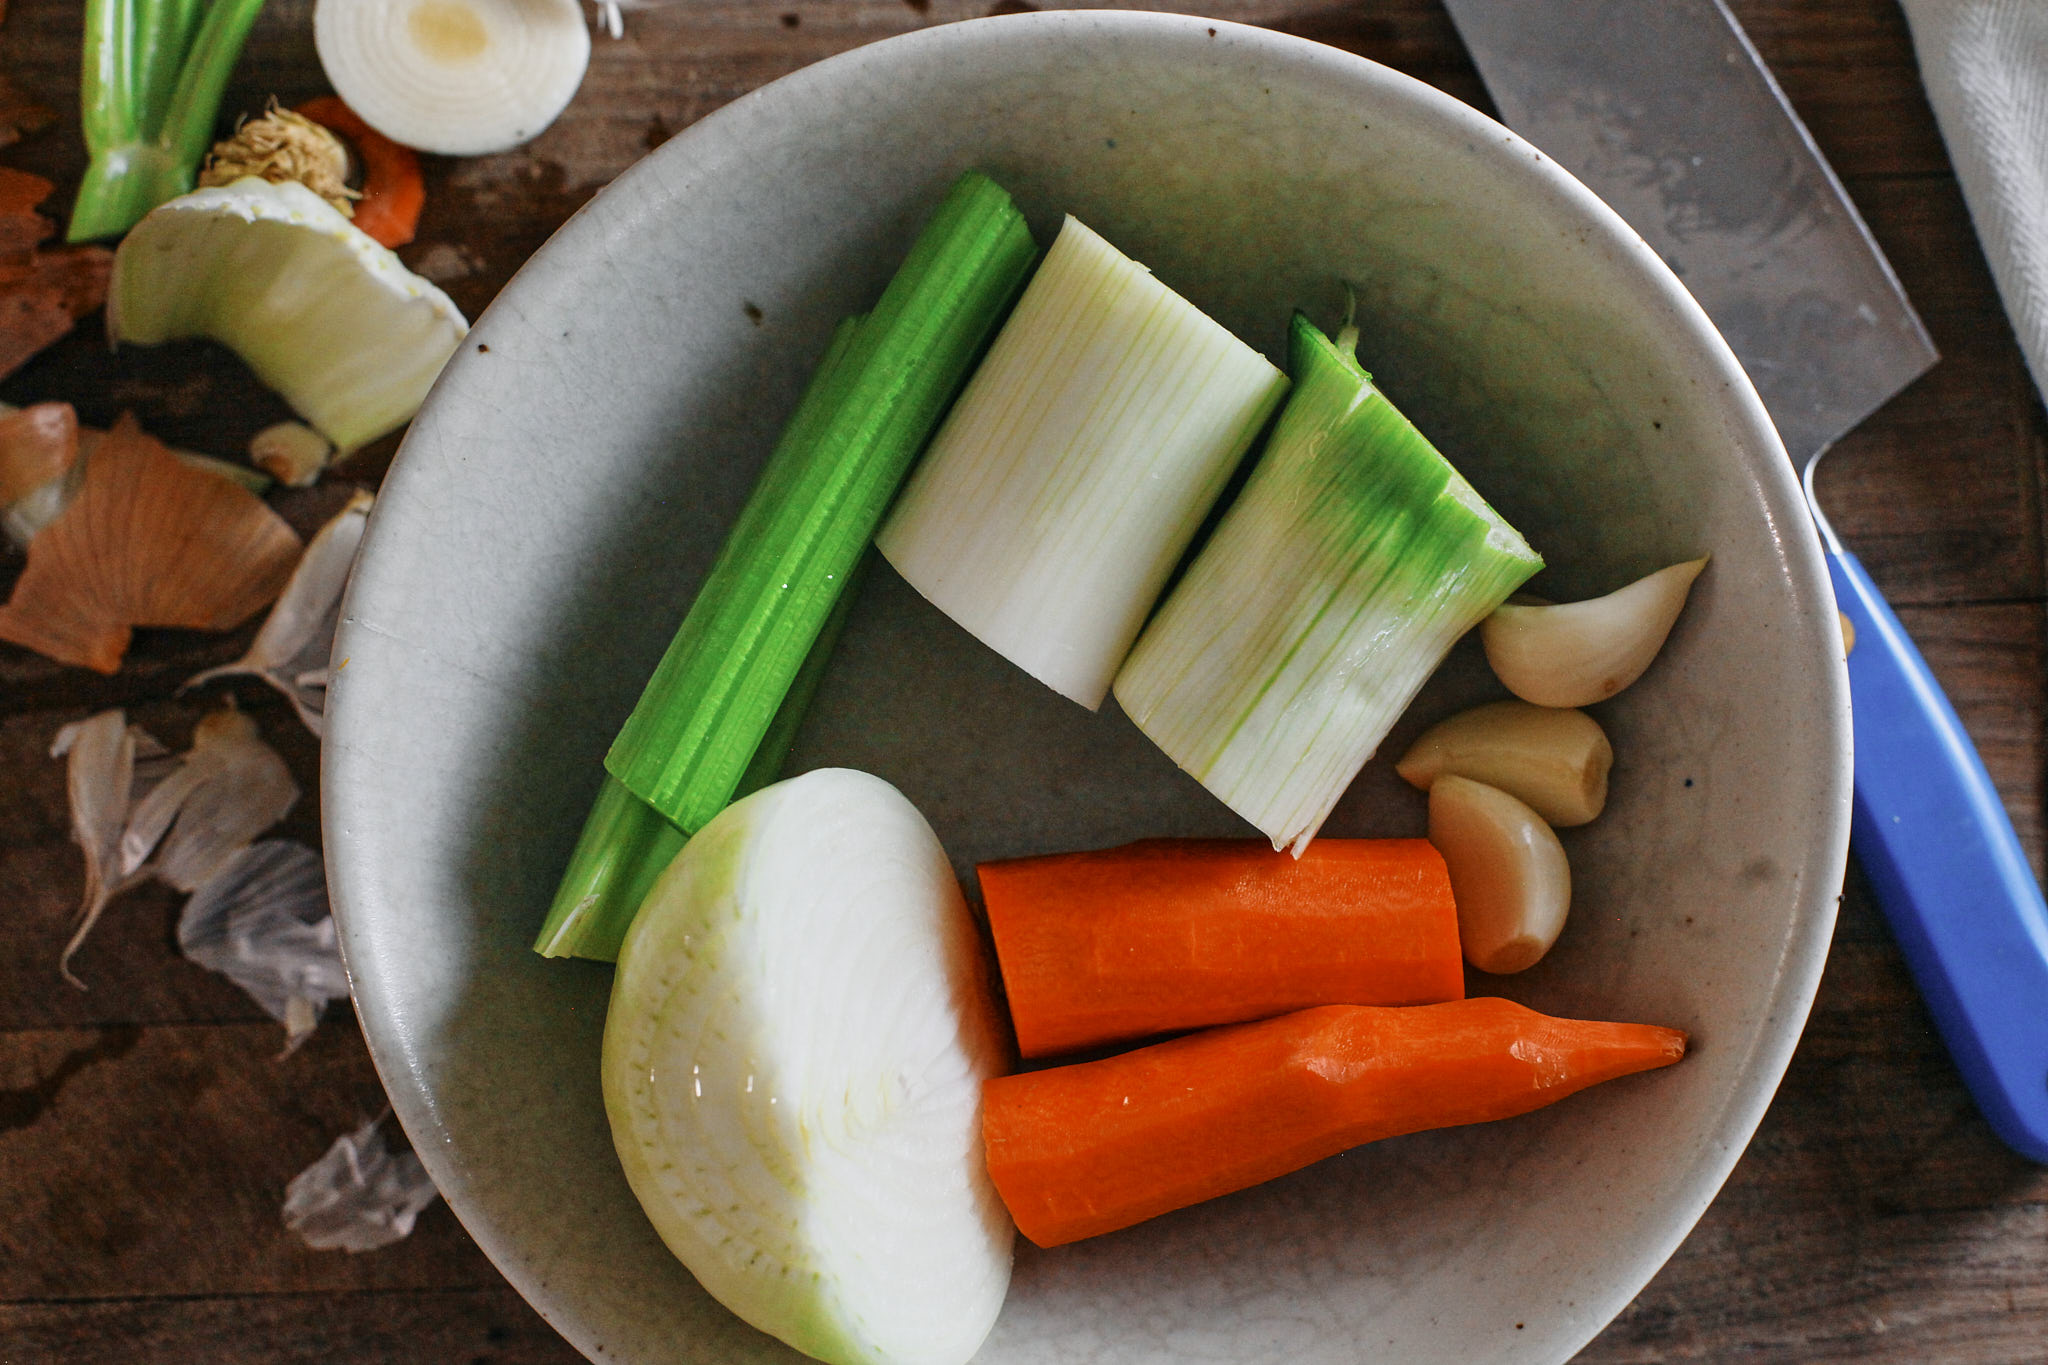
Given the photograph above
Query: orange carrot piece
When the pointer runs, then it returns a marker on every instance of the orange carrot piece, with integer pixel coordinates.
(1080, 1150)
(393, 192)
(1171, 934)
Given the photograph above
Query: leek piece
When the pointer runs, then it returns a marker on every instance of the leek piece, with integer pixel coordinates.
(323, 314)
(1347, 568)
(810, 517)
(793, 1059)
(626, 843)
(1078, 465)
(153, 74)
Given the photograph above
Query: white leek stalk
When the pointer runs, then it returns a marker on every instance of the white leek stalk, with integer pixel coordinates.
(1352, 561)
(331, 320)
(793, 1059)
(1078, 464)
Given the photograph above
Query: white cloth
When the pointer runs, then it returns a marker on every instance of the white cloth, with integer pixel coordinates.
(1985, 65)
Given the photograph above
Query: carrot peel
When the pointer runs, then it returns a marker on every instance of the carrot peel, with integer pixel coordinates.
(1076, 1151)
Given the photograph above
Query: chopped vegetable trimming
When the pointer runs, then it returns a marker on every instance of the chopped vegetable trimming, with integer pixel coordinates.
(323, 314)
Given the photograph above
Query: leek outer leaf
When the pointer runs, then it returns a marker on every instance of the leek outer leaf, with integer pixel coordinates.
(323, 314)
(1347, 568)
(1078, 465)
(830, 478)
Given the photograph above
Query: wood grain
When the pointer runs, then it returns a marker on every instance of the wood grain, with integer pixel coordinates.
(147, 1126)
(421, 1327)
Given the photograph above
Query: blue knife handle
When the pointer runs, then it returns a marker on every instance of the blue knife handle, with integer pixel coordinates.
(1941, 857)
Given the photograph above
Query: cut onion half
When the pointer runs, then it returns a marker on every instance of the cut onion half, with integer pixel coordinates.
(458, 77)
(793, 1060)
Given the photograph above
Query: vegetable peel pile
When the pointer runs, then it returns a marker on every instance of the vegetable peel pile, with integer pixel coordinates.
(44, 291)
(189, 549)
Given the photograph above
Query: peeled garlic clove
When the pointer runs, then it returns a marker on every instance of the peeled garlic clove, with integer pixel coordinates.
(458, 77)
(145, 541)
(1582, 652)
(1555, 760)
(1508, 873)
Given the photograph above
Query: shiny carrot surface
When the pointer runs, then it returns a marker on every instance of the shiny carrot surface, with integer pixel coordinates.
(1172, 934)
(1080, 1150)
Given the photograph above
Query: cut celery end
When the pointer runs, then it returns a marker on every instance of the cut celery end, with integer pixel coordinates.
(1350, 564)
(624, 847)
(150, 89)
(1078, 465)
(711, 700)
(626, 844)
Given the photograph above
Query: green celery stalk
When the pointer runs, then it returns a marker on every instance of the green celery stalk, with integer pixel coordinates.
(152, 76)
(626, 843)
(1347, 568)
(811, 516)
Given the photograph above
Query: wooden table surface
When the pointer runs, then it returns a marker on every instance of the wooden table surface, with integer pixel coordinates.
(148, 1126)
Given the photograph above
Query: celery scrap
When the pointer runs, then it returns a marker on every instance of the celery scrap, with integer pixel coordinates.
(152, 79)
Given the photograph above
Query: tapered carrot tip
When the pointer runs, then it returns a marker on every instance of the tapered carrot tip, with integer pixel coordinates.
(1076, 1151)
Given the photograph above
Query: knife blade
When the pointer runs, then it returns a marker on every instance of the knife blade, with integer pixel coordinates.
(1666, 111)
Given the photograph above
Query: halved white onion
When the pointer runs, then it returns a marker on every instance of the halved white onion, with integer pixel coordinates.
(458, 77)
(793, 1059)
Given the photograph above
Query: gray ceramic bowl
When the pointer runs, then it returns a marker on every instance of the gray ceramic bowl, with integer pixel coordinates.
(574, 472)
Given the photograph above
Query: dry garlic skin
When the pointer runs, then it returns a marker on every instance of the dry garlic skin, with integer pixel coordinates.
(1508, 873)
(1555, 760)
(793, 1059)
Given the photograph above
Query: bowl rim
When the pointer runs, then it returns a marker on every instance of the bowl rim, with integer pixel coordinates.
(1797, 973)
